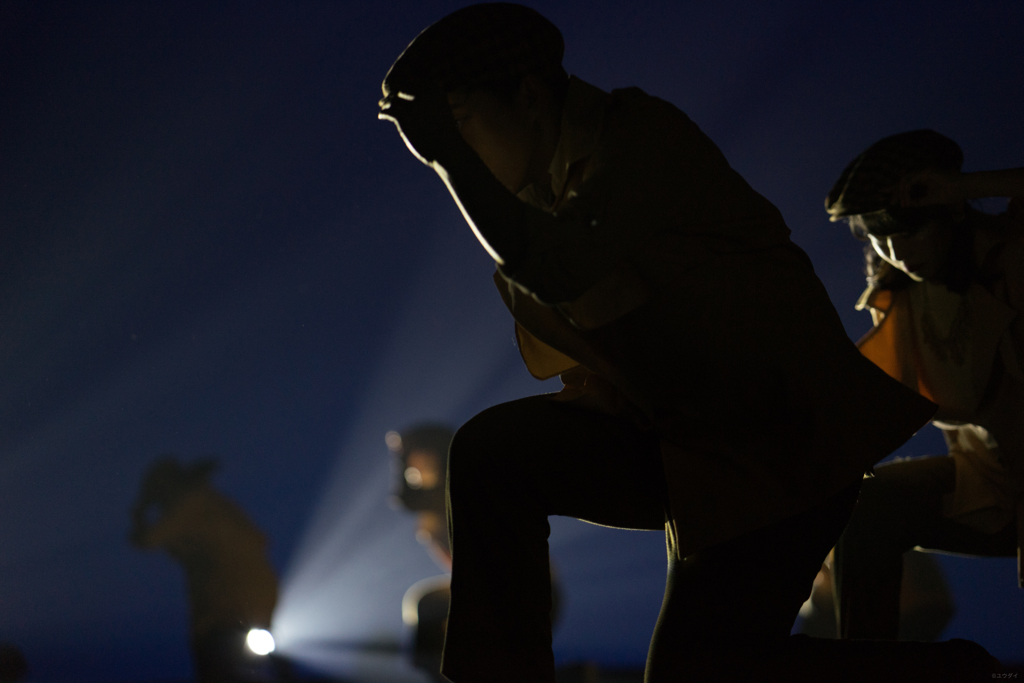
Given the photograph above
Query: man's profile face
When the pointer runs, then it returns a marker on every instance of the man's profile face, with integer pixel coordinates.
(499, 132)
(920, 254)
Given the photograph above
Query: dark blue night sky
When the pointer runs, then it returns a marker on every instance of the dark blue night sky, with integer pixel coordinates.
(209, 245)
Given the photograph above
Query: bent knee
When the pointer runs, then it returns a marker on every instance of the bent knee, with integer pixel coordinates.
(909, 483)
(491, 448)
(476, 448)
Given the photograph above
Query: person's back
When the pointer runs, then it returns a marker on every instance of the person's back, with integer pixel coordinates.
(223, 554)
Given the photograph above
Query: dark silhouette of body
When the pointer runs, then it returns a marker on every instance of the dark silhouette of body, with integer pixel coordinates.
(710, 389)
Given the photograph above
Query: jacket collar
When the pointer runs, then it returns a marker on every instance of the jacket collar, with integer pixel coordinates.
(581, 125)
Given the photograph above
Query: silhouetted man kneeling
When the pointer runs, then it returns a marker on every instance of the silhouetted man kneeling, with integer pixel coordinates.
(710, 388)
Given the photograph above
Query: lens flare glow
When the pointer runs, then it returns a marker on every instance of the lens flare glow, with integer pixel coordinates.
(394, 441)
(339, 609)
(413, 477)
(260, 641)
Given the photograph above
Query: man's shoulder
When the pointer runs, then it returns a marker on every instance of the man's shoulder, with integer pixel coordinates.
(638, 96)
(633, 102)
(640, 125)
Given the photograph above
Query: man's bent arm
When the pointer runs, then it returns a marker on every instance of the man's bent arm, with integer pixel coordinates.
(497, 217)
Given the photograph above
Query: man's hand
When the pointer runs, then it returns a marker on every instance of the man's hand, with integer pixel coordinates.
(424, 120)
(930, 187)
(420, 110)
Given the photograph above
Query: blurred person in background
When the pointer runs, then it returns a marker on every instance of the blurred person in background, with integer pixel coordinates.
(945, 292)
(232, 587)
(420, 463)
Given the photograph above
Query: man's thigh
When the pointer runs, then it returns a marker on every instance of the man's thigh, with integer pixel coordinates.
(563, 460)
(760, 579)
(903, 505)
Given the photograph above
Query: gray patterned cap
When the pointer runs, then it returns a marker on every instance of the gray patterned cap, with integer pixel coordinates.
(476, 45)
(865, 186)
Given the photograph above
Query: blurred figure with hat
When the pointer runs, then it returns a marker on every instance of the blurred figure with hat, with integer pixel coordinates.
(232, 587)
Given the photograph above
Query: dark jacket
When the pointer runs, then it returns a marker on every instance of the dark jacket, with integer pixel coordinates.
(693, 312)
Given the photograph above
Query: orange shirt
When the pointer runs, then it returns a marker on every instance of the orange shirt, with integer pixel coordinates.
(965, 353)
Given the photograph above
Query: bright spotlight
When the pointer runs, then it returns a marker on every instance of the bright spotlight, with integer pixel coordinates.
(260, 641)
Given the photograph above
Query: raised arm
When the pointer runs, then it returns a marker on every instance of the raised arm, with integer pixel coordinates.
(430, 131)
(1005, 183)
(932, 186)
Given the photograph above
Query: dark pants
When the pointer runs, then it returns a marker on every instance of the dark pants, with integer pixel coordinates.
(514, 464)
(900, 508)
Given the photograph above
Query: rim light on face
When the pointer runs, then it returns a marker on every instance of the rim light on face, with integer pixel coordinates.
(884, 248)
